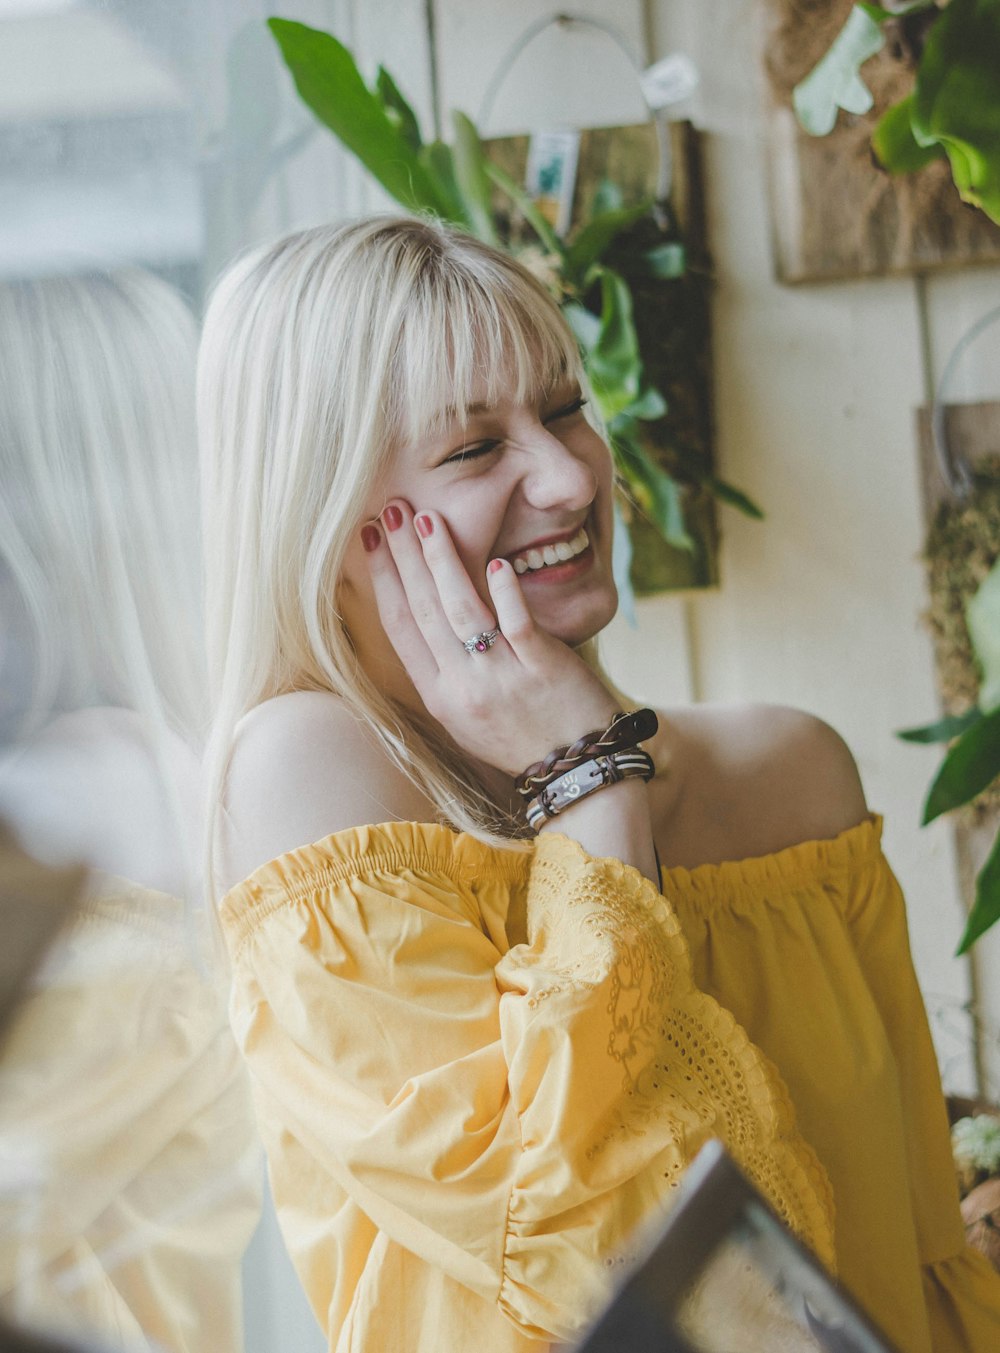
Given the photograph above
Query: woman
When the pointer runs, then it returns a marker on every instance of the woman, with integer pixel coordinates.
(132, 1165)
(484, 1056)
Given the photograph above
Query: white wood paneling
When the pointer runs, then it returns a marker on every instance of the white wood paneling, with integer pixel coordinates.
(568, 76)
(820, 605)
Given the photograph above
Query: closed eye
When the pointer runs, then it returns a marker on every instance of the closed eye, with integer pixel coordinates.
(567, 410)
(471, 452)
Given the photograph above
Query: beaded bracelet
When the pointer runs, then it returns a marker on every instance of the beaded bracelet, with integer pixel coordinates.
(624, 731)
(597, 773)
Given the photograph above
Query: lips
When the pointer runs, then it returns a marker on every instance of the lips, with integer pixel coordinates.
(544, 556)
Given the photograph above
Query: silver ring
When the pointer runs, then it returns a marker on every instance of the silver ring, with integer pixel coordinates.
(479, 643)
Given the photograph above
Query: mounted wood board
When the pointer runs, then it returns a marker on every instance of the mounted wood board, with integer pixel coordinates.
(963, 540)
(672, 319)
(834, 213)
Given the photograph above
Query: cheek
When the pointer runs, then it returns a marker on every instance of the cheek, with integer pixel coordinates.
(354, 585)
(474, 521)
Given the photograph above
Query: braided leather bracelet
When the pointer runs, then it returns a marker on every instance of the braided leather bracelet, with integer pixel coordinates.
(597, 773)
(624, 731)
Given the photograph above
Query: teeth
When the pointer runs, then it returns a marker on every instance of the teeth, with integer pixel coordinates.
(552, 554)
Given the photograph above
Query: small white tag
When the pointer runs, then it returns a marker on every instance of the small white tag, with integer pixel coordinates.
(671, 80)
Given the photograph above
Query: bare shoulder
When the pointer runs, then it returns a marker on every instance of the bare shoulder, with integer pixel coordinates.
(303, 766)
(766, 776)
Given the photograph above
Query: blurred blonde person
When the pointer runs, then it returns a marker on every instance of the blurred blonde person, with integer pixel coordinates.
(128, 1170)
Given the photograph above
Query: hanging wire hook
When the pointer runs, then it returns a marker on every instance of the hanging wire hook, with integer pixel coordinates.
(664, 168)
(954, 470)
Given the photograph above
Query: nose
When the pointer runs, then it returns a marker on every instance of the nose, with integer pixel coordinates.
(556, 477)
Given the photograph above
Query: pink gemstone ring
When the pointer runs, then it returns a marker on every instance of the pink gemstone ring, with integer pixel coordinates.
(479, 643)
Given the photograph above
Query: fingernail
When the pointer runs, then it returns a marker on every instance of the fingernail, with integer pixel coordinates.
(370, 538)
(425, 527)
(392, 517)
(495, 565)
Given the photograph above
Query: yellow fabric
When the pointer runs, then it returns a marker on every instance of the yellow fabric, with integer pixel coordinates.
(809, 949)
(130, 1159)
(463, 1134)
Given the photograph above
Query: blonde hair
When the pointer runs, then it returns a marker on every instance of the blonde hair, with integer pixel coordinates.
(320, 355)
(98, 544)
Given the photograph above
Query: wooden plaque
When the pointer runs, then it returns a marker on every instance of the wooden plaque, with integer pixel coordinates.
(835, 214)
(673, 322)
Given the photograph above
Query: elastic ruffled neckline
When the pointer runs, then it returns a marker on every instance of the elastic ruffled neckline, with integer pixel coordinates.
(383, 846)
(390, 846)
(431, 843)
(851, 851)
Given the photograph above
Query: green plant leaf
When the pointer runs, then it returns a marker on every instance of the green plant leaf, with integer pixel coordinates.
(982, 615)
(945, 730)
(666, 261)
(527, 208)
(330, 83)
(835, 82)
(958, 86)
(648, 406)
(398, 109)
(970, 766)
(654, 491)
(591, 240)
(608, 197)
(472, 178)
(896, 148)
(728, 493)
(615, 367)
(986, 907)
(436, 158)
(585, 324)
(957, 98)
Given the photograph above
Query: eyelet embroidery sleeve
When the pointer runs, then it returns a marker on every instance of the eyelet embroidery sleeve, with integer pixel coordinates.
(507, 1116)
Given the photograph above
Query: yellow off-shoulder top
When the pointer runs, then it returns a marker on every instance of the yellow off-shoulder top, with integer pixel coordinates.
(465, 1135)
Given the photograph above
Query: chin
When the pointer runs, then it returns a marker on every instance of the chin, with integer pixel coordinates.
(580, 619)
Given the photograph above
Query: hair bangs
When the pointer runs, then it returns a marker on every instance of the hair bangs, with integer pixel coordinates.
(476, 332)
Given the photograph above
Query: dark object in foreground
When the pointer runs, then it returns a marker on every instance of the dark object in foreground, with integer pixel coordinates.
(722, 1267)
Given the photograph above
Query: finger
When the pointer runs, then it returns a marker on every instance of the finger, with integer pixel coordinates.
(465, 610)
(415, 577)
(513, 616)
(394, 609)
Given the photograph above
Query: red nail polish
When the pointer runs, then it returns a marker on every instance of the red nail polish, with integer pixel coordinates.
(370, 538)
(392, 517)
(425, 527)
(495, 565)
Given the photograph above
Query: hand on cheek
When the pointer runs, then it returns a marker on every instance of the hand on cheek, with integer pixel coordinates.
(508, 701)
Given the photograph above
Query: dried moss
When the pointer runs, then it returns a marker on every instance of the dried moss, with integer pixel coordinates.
(962, 546)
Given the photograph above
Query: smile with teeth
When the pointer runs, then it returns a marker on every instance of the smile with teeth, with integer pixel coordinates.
(559, 553)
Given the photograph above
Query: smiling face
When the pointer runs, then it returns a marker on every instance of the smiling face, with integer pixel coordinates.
(525, 478)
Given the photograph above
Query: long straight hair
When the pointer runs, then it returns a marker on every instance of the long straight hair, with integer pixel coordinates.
(321, 354)
(98, 464)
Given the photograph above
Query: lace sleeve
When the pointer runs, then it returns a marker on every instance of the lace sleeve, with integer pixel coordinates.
(509, 1116)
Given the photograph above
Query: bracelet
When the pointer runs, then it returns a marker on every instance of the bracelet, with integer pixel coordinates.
(624, 732)
(597, 773)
